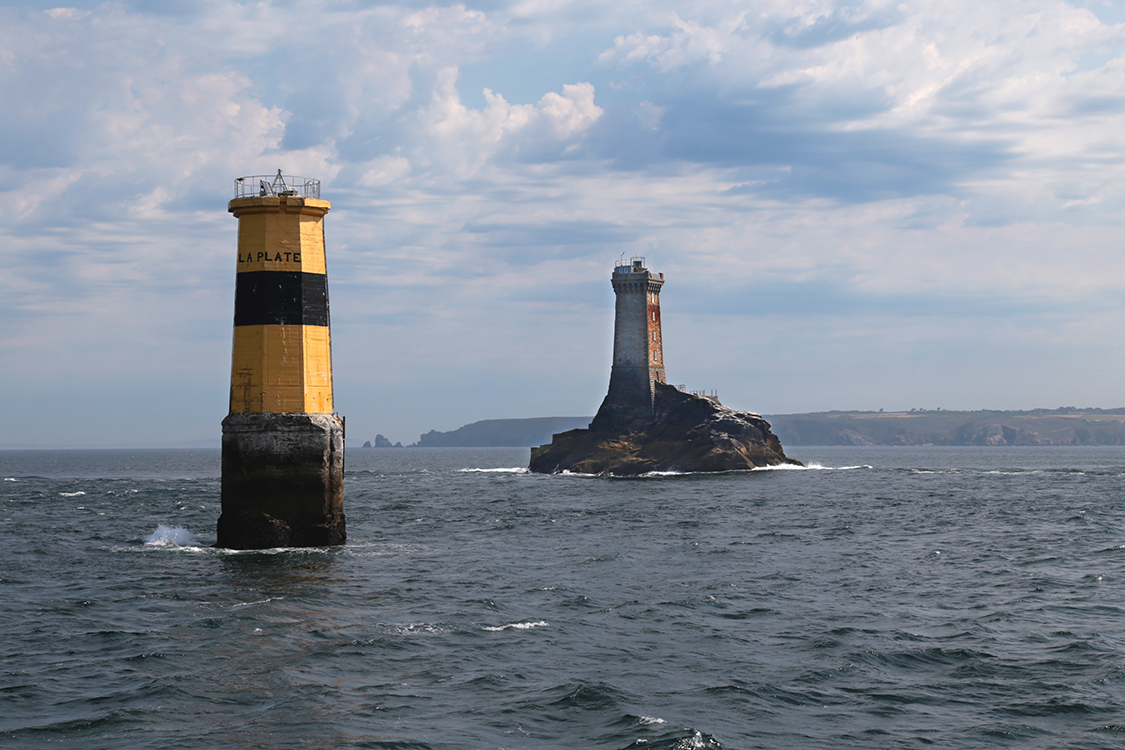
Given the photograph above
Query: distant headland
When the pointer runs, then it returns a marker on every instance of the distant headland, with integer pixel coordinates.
(492, 433)
(1063, 426)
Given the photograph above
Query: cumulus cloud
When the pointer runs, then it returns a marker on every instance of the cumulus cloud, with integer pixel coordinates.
(912, 98)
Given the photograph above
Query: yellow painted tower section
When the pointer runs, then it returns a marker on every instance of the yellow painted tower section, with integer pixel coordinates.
(282, 354)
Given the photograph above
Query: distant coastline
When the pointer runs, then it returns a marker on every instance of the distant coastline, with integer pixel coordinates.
(1062, 426)
(494, 433)
(1065, 426)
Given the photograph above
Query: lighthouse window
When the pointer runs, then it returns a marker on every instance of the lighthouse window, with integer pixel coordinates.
(654, 335)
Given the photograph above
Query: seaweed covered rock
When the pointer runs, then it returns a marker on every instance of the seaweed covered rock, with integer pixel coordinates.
(687, 433)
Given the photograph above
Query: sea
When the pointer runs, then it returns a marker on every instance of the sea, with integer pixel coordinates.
(921, 597)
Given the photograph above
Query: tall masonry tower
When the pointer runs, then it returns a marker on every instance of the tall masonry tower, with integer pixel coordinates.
(283, 447)
(638, 350)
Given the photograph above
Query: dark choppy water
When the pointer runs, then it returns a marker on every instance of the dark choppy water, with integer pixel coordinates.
(932, 597)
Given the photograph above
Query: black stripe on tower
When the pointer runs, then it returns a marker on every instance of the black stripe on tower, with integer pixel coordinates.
(284, 298)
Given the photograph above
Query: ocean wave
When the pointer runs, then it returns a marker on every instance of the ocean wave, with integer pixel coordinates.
(171, 536)
(416, 628)
(1013, 472)
(811, 467)
(286, 551)
(267, 600)
(512, 470)
(686, 739)
(72, 494)
(515, 626)
(778, 467)
(674, 473)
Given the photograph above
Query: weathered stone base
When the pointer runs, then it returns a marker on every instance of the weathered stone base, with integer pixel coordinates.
(283, 481)
(686, 433)
(630, 401)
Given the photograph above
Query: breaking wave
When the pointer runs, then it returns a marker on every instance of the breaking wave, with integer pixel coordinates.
(811, 467)
(171, 536)
(516, 626)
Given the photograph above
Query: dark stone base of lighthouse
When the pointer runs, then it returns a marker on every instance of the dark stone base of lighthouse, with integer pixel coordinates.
(630, 401)
(685, 433)
(283, 481)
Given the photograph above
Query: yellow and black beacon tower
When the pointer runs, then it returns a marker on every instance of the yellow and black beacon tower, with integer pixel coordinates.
(283, 447)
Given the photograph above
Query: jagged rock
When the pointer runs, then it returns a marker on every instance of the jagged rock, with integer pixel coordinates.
(686, 433)
(381, 442)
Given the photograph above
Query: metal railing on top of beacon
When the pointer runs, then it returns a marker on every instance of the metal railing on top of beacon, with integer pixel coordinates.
(259, 185)
(637, 261)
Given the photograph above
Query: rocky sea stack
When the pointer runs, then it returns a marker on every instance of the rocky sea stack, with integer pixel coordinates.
(685, 433)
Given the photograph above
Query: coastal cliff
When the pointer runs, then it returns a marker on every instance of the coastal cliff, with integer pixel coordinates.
(1062, 426)
(686, 433)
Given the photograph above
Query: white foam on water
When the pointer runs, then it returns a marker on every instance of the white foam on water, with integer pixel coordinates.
(171, 536)
(512, 470)
(288, 551)
(695, 742)
(72, 494)
(417, 628)
(810, 467)
(516, 626)
(651, 720)
(267, 600)
(10, 479)
(995, 472)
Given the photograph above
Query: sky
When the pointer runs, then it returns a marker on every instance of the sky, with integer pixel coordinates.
(856, 205)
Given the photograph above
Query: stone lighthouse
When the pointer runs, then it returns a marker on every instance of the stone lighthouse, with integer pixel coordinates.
(638, 351)
(646, 425)
(283, 447)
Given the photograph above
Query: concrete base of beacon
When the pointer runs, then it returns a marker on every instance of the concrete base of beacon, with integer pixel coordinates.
(283, 481)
